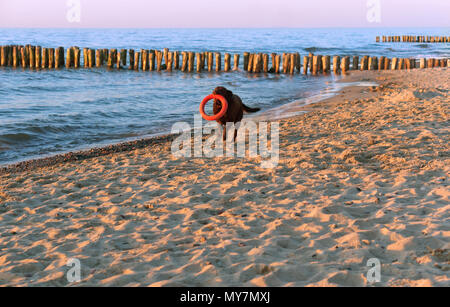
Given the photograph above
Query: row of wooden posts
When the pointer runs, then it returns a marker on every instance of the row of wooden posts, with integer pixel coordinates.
(413, 39)
(35, 57)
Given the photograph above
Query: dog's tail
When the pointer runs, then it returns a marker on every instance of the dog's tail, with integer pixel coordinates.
(250, 110)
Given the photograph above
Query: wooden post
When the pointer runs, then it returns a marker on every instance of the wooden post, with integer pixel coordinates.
(4, 56)
(32, 62)
(210, 61)
(324, 64)
(114, 57)
(151, 60)
(343, 64)
(38, 57)
(85, 57)
(394, 63)
(407, 64)
(10, 56)
(298, 64)
(423, 63)
(315, 65)
(123, 56)
(118, 60)
(227, 60)
(320, 64)
(355, 64)
(387, 63)
(137, 56)
(141, 59)
(166, 56)
(251, 58)
(305, 64)
(204, 60)
(23, 56)
(310, 59)
(105, 55)
(246, 59)
(131, 56)
(292, 63)
(15, 55)
(273, 57)
(371, 63)
(169, 61)
(44, 63)
(277, 63)
(336, 64)
(265, 63)
(56, 57)
(365, 62)
(199, 62)
(284, 62)
(346, 61)
(98, 58)
(91, 55)
(381, 63)
(110, 62)
(236, 61)
(184, 61)
(144, 56)
(256, 60)
(69, 57)
(4, 59)
(76, 57)
(176, 60)
(218, 61)
(400, 65)
(191, 61)
(159, 58)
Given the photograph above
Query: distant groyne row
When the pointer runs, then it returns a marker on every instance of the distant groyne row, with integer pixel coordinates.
(38, 58)
(412, 39)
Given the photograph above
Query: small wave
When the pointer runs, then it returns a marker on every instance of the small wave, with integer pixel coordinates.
(317, 49)
(425, 46)
(14, 138)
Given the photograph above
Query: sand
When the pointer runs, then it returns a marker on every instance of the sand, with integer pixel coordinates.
(362, 175)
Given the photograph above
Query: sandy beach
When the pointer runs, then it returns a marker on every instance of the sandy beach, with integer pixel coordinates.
(361, 175)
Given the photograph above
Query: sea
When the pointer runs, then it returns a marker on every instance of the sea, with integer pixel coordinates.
(46, 112)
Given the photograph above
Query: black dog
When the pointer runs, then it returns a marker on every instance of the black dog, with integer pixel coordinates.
(235, 111)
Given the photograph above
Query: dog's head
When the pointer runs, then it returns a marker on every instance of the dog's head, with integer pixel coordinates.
(220, 90)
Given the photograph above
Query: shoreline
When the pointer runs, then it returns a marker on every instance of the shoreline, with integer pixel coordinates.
(129, 145)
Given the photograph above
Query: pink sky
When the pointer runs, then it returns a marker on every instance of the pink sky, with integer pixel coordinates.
(224, 14)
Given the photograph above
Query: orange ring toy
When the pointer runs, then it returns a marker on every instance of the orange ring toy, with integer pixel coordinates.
(218, 115)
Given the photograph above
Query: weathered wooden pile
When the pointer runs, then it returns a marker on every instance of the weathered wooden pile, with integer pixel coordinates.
(413, 39)
(36, 57)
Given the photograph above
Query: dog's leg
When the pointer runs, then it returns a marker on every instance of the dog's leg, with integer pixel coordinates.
(224, 133)
(236, 128)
